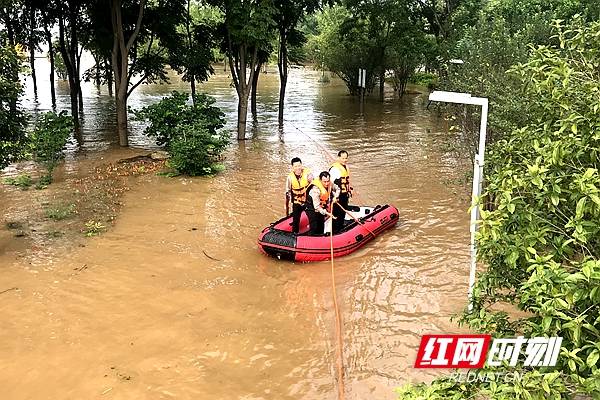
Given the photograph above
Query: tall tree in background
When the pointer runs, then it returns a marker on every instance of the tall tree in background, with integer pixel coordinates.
(70, 15)
(47, 20)
(143, 36)
(263, 58)
(287, 16)
(247, 27)
(193, 58)
(34, 38)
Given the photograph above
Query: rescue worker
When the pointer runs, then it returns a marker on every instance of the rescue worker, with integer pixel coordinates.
(320, 193)
(340, 175)
(296, 185)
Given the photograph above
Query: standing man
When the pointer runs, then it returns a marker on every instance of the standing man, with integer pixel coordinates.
(320, 193)
(296, 185)
(340, 175)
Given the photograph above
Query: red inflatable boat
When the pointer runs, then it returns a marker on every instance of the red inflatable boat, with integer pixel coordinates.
(278, 240)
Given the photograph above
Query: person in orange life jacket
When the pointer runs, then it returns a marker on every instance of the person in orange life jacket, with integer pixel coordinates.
(296, 185)
(320, 193)
(340, 175)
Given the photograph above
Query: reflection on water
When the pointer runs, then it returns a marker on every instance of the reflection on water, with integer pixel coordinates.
(247, 326)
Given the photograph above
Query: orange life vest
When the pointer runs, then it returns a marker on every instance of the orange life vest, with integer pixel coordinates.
(324, 196)
(299, 186)
(344, 176)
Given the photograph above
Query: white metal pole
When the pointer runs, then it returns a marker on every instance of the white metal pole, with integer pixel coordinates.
(477, 189)
(466, 98)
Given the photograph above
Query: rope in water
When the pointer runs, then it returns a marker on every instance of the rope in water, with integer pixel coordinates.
(338, 325)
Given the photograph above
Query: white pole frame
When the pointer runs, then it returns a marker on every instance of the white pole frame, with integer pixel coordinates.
(466, 98)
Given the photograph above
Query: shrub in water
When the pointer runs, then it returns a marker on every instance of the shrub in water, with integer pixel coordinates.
(196, 151)
(49, 138)
(189, 132)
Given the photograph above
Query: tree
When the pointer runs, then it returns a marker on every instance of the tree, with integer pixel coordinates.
(142, 36)
(70, 16)
(193, 59)
(287, 16)
(246, 28)
(12, 119)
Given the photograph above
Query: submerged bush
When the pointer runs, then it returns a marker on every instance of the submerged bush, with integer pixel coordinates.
(48, 139)
(196, 151)
(190, 132)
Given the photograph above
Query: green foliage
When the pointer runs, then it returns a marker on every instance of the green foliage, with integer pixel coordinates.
(12, 119)
(195, 150)
(22, 181)
(373, 36)
(165, 116)
(190, 132)
(49, 138)
(540, 234)
(59, 65)
(59, 211)
(426, 79)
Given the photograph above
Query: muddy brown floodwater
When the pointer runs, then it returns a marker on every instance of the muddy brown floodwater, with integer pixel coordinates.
(175, 300)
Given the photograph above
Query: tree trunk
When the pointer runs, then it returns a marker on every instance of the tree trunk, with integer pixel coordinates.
(242, 114)
(253, 93)
(70, 67)
(108, 74)
(189, 47)
(193, 87)
(32, 48)
(282, 87)
(120, 64)
(382, 75)
(121, 104)
(282, 65)
(51, 55)
(381, 83)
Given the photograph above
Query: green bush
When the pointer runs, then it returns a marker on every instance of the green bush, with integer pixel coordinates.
(196, 151)
(164, 117)
(189, 132)
(12, 118)
(22, 181)
(60, 211)
(48, 140)
(426, 79)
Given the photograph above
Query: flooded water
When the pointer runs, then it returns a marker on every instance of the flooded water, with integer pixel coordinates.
(175, 301)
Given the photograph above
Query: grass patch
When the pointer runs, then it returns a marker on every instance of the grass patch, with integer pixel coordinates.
(60, 211)
(22, 181)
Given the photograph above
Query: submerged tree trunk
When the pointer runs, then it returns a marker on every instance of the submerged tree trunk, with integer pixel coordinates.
(120, 64)
(282, 65)
(69, 61)
(253, 93)
(108, 74)
(51, 56)
(242, 115)
(32, 48)
(238, 65)
(381, 84)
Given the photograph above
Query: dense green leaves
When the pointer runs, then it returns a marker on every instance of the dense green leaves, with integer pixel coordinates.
(12, 119)
(49, 138)
(540, 238)
(190, 132)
